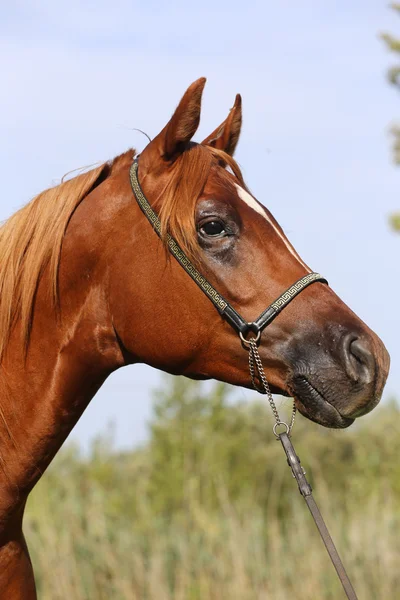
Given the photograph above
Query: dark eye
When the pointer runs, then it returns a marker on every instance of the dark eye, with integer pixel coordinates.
(212, 228)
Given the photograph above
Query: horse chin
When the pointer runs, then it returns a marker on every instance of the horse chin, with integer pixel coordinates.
(312, 404)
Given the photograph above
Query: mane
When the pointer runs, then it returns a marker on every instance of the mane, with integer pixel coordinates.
(179, 198)
(30, 241)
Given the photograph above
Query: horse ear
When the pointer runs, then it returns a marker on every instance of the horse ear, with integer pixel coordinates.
(226, 136)
(184, 122)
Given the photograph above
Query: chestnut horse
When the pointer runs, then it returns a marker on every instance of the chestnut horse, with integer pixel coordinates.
(87, 287)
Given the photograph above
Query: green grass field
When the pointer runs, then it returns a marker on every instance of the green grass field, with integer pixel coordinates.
(208, 509)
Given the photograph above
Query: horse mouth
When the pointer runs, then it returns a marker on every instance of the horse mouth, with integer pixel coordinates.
(312, 404)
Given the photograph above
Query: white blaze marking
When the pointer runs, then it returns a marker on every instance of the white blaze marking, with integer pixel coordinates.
(252, 202)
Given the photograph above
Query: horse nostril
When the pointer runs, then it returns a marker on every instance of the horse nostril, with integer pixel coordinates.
(359, 360)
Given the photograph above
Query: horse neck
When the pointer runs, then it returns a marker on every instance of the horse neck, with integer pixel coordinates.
(43, 393)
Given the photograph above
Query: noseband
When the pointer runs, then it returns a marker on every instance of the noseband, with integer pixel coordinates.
(250, 334)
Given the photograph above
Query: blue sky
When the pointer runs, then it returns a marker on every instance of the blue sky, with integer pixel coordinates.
(315, 147)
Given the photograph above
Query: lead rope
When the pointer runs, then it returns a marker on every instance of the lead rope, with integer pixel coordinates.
(260, 383)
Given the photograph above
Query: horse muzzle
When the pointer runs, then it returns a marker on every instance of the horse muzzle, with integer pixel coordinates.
(335, 382)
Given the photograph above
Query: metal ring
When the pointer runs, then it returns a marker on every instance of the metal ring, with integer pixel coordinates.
(247, 342)
(277, 424)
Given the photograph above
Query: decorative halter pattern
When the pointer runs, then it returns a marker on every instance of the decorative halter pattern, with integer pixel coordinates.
(222, 305)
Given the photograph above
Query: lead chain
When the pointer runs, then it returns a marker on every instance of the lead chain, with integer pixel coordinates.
(257, 372)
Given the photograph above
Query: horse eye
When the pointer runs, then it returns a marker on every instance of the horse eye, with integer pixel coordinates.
(212, 228)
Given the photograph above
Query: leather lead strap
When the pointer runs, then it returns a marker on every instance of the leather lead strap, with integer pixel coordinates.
(330, 546)
(306, 491)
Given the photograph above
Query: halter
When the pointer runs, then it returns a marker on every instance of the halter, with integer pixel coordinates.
(226, 310)
(239, 324)
(244, 329)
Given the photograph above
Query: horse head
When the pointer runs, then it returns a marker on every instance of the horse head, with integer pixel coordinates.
(317, 350)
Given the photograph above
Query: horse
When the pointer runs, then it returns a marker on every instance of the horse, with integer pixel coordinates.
(86, 287)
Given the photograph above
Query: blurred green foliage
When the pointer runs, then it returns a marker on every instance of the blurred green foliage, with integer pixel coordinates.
(208, 508)
(393, 43)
